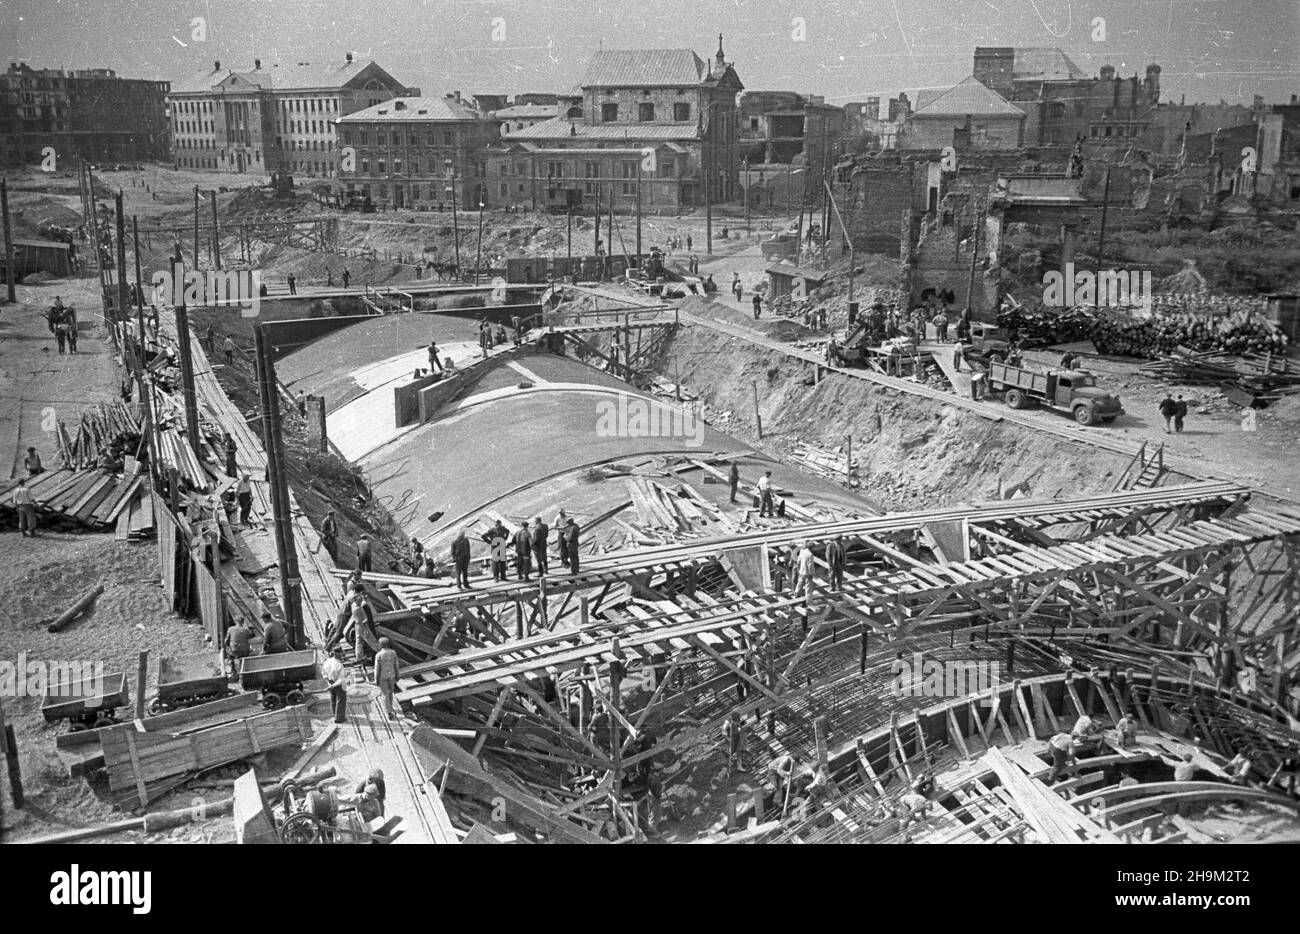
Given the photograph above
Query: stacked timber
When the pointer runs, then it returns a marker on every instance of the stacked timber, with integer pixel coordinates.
(75, 500)
(1239, 332)
(1249, 379)
(98, 431)
(834, 465)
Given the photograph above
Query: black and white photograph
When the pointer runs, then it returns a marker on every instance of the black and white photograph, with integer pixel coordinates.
(604, 422)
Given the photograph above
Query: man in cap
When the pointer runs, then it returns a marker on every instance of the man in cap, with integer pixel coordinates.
(274, 637)
(363, 553)
(32, 463)
(460, 558)
(238, 644)
(244, 493)
(540, 535)
(835, 559)
(329, 533)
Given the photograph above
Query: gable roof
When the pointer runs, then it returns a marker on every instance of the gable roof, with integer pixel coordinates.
(1044, 64)
(967, 96)
(414, 109)
(639, 68)
(293, 76)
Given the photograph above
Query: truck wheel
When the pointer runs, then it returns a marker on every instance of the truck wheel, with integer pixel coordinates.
(1083, 415)
(1016, 399)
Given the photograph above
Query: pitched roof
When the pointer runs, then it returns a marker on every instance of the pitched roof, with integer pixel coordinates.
(527, 111)
(562, 128)
(638, 68)
(967, 96)
(277, 77)
(414, 109)
(1044, 64)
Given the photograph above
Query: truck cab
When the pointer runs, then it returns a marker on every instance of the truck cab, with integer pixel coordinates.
(1076, 391)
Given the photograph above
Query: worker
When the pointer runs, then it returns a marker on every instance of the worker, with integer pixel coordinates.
(963, 324)
(805, 567)
(375, 778)
(347, 277)
(228, 346)
(417, 555)
(1069, 361)
(912, 808)
(835, 560)
(1239, 766)
(1180, 413)
(274, 638)
(940, 322)
(32, 463)
(733, 479)
(329, 533)
(26, 506)
(781, 773)
(366, 802)
(244, 493)
(571, 534)
(736, 288)
(499, 336)
(1185, 770)
(758, 306)
(541, 534)
(978, 380)
(293, 284)
(765, 495)
(210, 338)
(498, 542)
(460, 557)
(232, 449)
(363, 553)
(238, 644)
(434, 362)
(523, 543)
(561, 535)
(1086, 734)
(1126, 731)
(335, 676)
(958, 354)
(1168, 408)
(386, 673)
(1061, 746)
(733, 734)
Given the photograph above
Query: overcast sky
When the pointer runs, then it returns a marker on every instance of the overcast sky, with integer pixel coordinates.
(843, 49)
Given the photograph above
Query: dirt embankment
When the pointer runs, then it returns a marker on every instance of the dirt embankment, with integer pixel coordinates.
(912, 453)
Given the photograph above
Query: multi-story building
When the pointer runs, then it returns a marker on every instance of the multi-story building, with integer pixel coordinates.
(91, 113)
(1063, 104)
(279, 118)
(864, 122)
(519, 117)
(966, 116)
(409, 152)
(669, 101)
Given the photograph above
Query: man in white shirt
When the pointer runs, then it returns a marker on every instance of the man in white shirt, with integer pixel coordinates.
(335, 675)
(386, 673)
(765, 495)
(22, 499)
(805, 567)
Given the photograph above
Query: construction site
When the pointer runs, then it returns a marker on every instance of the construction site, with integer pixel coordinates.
(683, 501)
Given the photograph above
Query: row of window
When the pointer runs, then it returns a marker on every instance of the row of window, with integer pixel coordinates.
(305, 126)
(1115, 131)
(645, 112)
(436, 167)
(362, 138)
(310, 105)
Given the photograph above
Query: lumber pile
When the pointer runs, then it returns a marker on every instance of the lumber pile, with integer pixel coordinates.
(1247, 379)
(75, 499)
(111, 426)
(1114, 332)
(834, 465)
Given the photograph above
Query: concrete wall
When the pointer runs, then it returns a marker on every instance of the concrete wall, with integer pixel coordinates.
(986, 132)
(407, 406)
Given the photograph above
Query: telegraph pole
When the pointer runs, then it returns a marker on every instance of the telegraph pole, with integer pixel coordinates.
(1101, 237)
(748, 185)
(595, 244)
(9, 240)
(708, 199)
(455, 222)
(638, 215)
(196, 227)
(478, 253)
(146, 393)
(216, 241)
(122, 299)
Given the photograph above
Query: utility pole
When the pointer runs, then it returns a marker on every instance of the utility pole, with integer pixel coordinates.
(290, 583)
(1101, 237)
(187, 377)
(196, 227)
(638, 215)
(568, 232)
(595, 243)
(122, 293)
(455, 222)
(830, 196)
(9, 241)
(758, 418)
(706, 163)
(145, 391)
(747, 187)
(216, 241)
(478, 252)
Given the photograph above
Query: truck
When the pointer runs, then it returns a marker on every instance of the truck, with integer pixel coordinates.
(986, 339)
(1072, 391)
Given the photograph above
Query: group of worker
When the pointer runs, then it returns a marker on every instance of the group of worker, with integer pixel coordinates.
(1086, 738)
(239, 640)
(529, 544)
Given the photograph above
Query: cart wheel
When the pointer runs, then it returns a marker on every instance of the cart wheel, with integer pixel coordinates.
(104, 720)
(295, 697)
(300, 828)
(272, 701)
(156, 706)
(76, 726)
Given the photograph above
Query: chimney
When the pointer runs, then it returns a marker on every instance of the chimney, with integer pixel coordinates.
(216, 66)
(257, 64)
(349, 58)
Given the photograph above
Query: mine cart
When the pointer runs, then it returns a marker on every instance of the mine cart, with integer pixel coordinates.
(279, 677)
(85, 702)
(189, 680)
